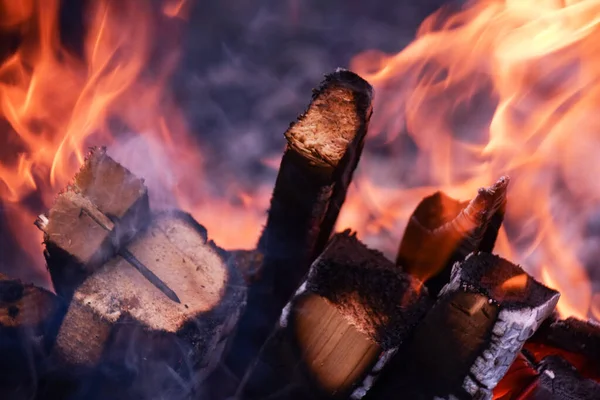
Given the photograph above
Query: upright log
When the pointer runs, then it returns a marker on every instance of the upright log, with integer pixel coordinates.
(443, 231)
(29, 318)
(354, 305)
(323, 149)
(470, 338)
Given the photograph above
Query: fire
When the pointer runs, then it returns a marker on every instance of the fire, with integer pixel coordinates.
(498, 87)
(502, 87)
(515, 283)
(59, 99)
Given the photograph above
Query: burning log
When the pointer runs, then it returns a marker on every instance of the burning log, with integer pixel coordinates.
(165, 299)
(353, 305)
(470, 338)
(29, 317)
(101, 211)
(578, 342)
(443, 231)
(559, 380)
(323, 149)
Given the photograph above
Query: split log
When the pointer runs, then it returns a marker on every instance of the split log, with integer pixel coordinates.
(354, 305)
(443, 231)
(120, 322)
(323, 149)
(470, 338)
(29, 317)
(559, 380)
(103, 194)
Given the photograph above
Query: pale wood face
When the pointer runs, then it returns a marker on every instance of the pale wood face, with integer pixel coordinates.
(174, 251)
(336, 353)
(326, 130)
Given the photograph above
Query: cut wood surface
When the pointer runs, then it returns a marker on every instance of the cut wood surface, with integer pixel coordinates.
(323, 149)
(117, 316)
(100, 212)
(470, 338)
(443, 231)
(354, 304)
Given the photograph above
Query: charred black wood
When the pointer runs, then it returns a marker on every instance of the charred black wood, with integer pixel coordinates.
(559, 380)
(29, 319)
(354, 305)
(572, 335)
(323, 149)
(470, 338)
(443, 231)
(575, 340)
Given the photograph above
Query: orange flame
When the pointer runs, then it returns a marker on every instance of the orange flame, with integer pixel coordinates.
(504, 87)
(515, 283)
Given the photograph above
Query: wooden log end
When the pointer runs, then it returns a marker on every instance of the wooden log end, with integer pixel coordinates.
(118, 317)
(335, 120)
(374, 294)
(104, 208)
(110, 186)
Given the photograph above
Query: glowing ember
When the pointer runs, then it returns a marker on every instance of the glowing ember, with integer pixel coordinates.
(515, 283)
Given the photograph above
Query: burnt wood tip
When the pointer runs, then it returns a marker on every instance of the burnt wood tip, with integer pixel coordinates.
(335, 121)
(479, 210)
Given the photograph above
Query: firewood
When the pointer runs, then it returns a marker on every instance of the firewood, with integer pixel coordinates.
(117, 317)
(443, 231)
(559, 380)
(103, 194)
(354, 305)
(29, 317)
(323, 149)
(473, 333)
(577, 341)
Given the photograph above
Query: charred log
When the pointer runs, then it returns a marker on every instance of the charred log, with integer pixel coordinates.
(443, 231)
(29, 317)
(576, 341)
(470, 338)
(354, 304)
(323, 149)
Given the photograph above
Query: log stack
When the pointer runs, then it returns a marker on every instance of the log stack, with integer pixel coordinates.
(151, 301)
(146, 306)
